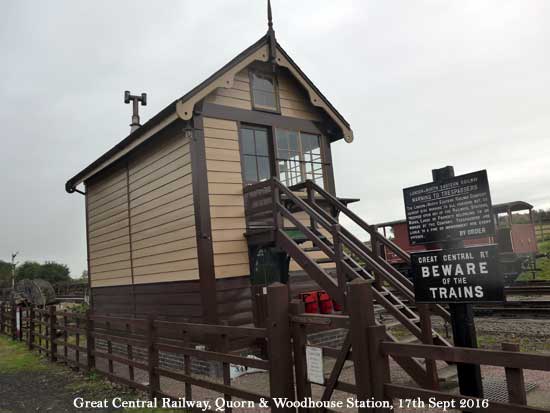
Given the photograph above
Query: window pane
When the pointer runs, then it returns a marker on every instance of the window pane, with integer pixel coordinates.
(310, 142)
(263, 168)
(261, 142)
(263, 91)
(262, 82)
(250, 172)
(281, 138)
(299, 157)
(264, 99)
(293, 141)
(247, 141)
(311, 145)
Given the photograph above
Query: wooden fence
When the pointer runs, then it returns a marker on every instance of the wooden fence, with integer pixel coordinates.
(368, 347)
(74, 339)
(542, 230)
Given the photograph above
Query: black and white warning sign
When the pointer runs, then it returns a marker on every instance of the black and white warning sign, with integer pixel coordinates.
(462, 275)
(455, 208)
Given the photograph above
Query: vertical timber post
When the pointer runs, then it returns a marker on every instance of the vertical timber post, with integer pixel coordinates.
(379, 363)
(13, 318)
(514, 379)
(361, 312)
(299, 343)
(152, 358)
(53, 332)
(279, 347)
(2, 317)
(427, 338)
(30, 336)
(90, 341)
(462, 319)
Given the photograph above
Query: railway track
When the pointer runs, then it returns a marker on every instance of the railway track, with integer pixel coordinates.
(528, 288)
(514, 309)
(520, 308)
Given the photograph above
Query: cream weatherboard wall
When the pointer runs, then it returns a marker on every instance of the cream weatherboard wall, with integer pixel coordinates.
(109, 230)
(141, 221)
(225, 189)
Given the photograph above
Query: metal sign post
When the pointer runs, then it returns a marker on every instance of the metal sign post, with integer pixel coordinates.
(462, 319)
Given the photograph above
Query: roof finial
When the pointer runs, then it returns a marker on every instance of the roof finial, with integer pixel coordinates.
(269, 16)
(271, 34)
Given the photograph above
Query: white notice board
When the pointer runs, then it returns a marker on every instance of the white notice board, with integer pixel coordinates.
(314, 359)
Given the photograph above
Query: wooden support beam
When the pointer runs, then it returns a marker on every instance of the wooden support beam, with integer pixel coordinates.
(281, 381)
(514, 379)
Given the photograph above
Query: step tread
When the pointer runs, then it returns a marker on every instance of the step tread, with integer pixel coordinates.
(323, 260)
(409, 340)
(447, 373)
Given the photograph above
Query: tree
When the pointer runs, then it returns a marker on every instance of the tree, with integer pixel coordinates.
(84, 276)
(29, 270)
(5, 274)
(50, 271)
(55, 272)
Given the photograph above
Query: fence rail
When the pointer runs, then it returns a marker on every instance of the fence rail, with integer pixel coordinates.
(73, 338)
(82, 341)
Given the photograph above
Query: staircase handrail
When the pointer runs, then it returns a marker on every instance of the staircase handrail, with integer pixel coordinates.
(404, 255)
(335, 202)
(350, 241)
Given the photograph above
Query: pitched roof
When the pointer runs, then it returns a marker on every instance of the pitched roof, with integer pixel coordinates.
(512, 206)
(182, 108)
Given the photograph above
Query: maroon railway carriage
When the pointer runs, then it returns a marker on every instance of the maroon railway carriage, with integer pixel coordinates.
(515, 237)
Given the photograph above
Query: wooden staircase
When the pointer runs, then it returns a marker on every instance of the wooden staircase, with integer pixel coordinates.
(306, 228)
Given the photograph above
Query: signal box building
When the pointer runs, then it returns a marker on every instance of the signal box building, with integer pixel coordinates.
(168, 229)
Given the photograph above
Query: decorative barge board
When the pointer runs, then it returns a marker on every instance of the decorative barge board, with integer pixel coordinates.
(166, 214)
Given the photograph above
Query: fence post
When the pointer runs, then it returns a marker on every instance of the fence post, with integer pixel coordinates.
(30, 336)
(514, 379)
(427, 338)
(90, 341)
(152, 358)
(303, 387)
(379, 363)
(2, 317)
(279, 347)
(53, 332)
(361, 312)
(13, 316)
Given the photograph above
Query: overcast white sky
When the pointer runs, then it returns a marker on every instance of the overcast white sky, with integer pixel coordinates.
(424, 84)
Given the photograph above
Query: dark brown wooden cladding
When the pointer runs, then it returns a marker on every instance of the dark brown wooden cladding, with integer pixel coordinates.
(172, 300)
(234, 297)
(180, 300)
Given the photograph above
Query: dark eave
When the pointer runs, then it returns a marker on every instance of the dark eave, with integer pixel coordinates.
(172, 109)
(511, 206)
(391, 223)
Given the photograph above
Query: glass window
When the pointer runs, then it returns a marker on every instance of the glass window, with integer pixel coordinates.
(299, 157)
(255, 150)
(263, 91)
